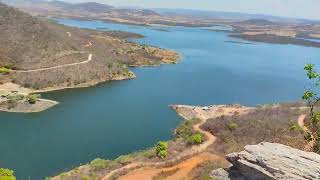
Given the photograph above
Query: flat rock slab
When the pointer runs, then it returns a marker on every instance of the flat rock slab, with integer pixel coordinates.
(273, 161)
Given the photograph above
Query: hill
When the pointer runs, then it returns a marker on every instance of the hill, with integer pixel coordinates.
(88, 10)
(259, 22)
(90, 7)
(44, 55)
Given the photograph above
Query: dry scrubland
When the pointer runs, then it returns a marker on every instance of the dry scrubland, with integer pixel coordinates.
(261, 30)
(29, 43)
(265, 124)
(41, 55)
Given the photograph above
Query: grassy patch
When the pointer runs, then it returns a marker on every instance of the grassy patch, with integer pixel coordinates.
(149, 154)
(4, 70)
(15, 97)
(124, 159)
(98, 163)
(8, 66)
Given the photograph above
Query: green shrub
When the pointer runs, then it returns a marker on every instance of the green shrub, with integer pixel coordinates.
(232, 126)
(197, 138)
(130, 51)
(148, 154)
(7, 174)
(8, 66)
(184, 130)
(311, 131)
(85, 178)
(162, 154)
(36, 85)
(4, 70)
(33, 98)
(124, 159)
(15, 97)
(63, 175)
(162, 149)
(99, 163)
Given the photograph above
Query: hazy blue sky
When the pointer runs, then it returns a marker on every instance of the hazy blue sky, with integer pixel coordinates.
(289, 8)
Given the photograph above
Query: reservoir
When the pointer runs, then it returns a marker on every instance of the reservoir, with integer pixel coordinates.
(117, 118)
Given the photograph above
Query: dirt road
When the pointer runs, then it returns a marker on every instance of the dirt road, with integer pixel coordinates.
(56, 67)
(187, 112)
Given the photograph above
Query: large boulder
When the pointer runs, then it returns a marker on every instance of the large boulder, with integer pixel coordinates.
(271, 161)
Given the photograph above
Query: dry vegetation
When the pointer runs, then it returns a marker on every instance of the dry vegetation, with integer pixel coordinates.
(28, 43)
(261, 30)
(98, 168)
(267, 123)
(202, 171)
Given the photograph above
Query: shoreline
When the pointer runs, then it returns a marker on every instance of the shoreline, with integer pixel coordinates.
(8, 88)
(190, 152)
(42, 104)
(275, 39)
(84, 85)
(155, 23)
(23, 106)
(119, 78)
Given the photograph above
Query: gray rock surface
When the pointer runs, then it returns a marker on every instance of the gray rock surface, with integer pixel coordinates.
(229, 174)
(272, 161)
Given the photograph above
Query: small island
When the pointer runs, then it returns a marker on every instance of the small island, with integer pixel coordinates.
(19, 103)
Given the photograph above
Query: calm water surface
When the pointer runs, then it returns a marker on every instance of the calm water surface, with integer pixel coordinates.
(121, 117)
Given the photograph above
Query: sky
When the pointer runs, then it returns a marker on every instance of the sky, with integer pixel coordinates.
(309, 9)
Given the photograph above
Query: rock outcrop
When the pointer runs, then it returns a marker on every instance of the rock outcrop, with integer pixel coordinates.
(270, 161)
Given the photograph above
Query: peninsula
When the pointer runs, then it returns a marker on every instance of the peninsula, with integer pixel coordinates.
(38, 55)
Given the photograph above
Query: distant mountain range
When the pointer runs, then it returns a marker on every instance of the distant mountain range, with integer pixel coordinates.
(227, 15)
(90, 7)
(94, 10)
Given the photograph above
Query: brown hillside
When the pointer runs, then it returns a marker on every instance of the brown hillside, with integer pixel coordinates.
(26, 41)
(47, 55)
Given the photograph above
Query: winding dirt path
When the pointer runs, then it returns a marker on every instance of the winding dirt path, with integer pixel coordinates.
(144, 170)
(179, 171)
(55, 67)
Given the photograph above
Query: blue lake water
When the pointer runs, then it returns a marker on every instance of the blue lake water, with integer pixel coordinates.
(117, 118)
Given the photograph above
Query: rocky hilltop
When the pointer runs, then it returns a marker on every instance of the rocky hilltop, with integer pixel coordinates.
(270, 161)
